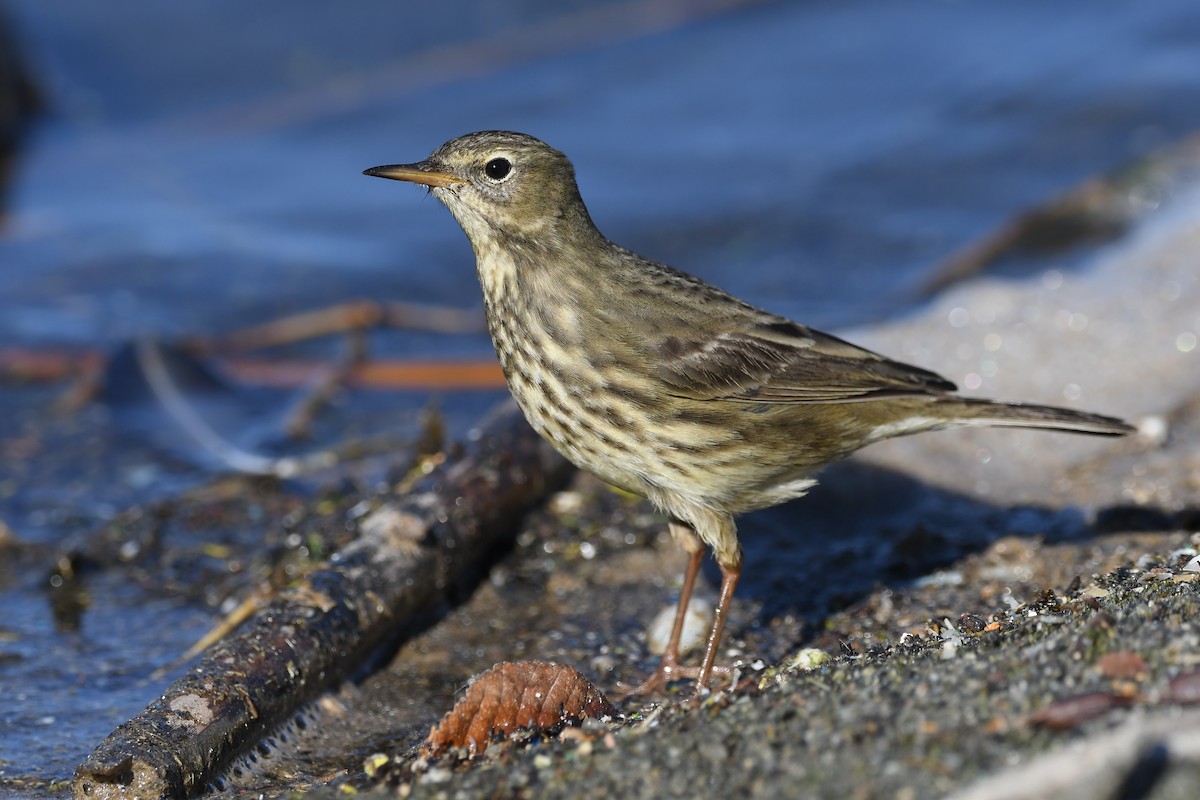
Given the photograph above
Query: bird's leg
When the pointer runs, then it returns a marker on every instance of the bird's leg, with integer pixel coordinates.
(670, 658)
(729, 579)
(668, 667)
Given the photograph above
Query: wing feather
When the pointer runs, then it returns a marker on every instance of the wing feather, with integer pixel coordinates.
(779, 361)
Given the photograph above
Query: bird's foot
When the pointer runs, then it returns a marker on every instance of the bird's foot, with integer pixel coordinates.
(670, 671)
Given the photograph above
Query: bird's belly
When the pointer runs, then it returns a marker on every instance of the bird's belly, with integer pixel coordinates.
(621, 425)
(676, 453)
(578, 428)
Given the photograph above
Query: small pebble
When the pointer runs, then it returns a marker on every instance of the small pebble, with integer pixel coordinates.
(809, 658)
(695, 627)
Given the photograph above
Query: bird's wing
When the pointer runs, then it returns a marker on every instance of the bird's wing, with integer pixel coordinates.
(775, 360)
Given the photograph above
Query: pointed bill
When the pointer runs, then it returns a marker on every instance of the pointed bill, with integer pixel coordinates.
(421, 173)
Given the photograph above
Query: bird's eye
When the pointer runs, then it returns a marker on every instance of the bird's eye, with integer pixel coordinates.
(498, 168)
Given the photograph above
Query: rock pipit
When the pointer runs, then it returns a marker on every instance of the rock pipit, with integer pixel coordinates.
(662, 384)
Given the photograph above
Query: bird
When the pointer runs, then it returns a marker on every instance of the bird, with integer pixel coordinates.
(664, 385)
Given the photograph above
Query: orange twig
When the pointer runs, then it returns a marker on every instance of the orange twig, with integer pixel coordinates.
(290, 373)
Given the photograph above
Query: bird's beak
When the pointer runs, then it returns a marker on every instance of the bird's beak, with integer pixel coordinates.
(421, 172)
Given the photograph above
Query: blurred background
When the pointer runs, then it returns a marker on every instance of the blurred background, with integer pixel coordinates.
(195, 167)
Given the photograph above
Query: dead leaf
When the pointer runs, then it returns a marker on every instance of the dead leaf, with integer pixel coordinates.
(521, 695)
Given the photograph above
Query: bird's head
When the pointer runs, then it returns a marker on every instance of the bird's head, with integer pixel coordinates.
(500, 185)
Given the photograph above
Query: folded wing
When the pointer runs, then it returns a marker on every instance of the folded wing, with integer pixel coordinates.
(779, 361)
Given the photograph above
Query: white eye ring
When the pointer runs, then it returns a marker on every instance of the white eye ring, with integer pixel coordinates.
(498, 169)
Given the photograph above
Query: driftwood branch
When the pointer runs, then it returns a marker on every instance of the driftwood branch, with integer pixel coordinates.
(410, 553)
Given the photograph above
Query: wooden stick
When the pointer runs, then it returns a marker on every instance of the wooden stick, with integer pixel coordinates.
(411, 552)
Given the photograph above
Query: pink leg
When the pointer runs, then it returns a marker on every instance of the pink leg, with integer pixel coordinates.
(669, 668)
(729, 580)
(670, 659)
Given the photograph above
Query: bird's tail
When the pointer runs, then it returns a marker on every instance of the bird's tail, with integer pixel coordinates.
(969, 411)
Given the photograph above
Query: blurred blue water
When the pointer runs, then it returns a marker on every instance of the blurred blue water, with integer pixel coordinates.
(200, 170)
(814, 156)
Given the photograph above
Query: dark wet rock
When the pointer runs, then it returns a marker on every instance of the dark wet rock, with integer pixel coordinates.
(19, 99)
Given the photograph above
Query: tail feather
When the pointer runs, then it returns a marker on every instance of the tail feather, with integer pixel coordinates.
(1025, 415)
